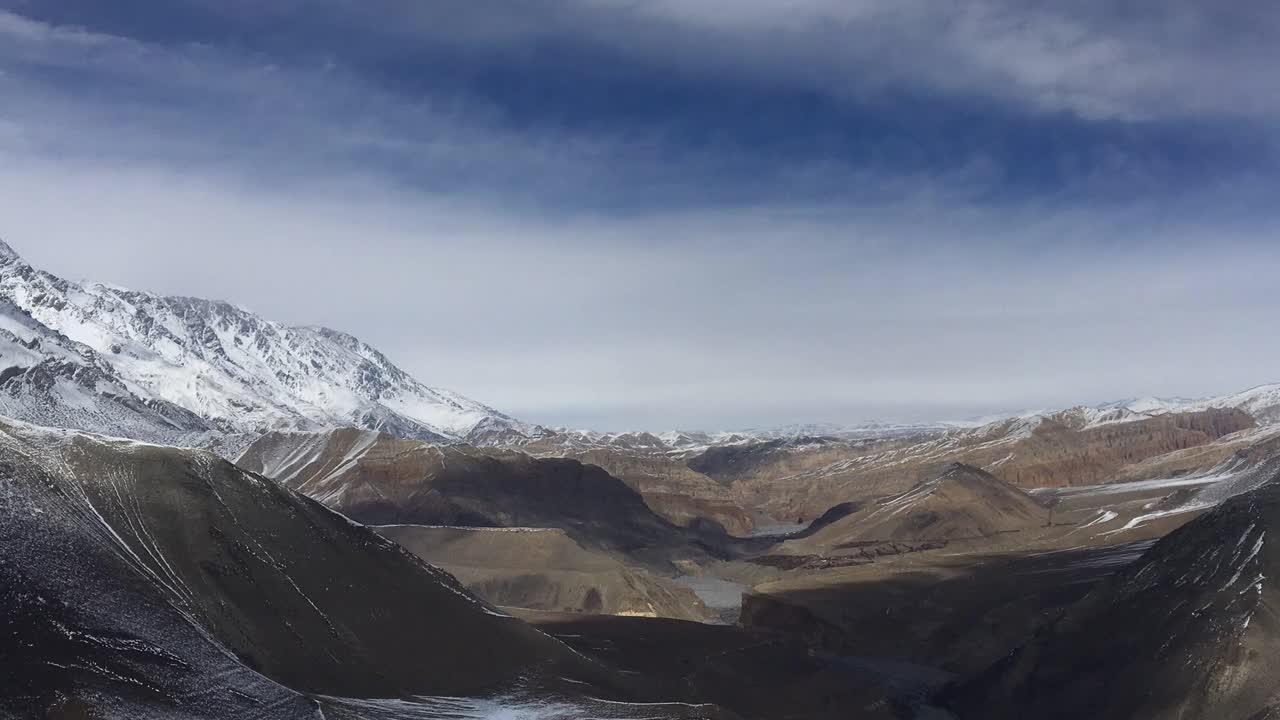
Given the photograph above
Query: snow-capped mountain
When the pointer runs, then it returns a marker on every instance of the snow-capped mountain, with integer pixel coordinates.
(634, 441)
(682, 443)
(863, 431)
(1149, 405)
(1262, 402)
(46, 377)
(202, 365)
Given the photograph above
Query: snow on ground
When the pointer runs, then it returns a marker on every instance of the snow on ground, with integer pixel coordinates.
(1070, 561)
(1135, 486)
(501, 708)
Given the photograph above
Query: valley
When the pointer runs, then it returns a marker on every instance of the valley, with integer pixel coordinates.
(206, 514)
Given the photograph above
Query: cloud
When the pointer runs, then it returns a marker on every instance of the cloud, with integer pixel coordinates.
(1100, 59)
(655, 215)
(1134, 61)
(695, 319)
(578, 126)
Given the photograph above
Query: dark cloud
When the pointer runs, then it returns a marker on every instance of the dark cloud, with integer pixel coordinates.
(690, 103)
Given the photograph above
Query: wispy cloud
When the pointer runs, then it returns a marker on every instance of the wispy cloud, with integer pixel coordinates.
(1102, 59)
(1135, 60)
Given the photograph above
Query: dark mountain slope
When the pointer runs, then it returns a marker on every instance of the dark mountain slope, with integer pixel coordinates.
(126, 569)
(1189, 631)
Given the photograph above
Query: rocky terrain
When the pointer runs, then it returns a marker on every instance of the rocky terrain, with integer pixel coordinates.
(962, 579)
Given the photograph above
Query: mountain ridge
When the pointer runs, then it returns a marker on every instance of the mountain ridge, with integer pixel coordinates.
(233, 369)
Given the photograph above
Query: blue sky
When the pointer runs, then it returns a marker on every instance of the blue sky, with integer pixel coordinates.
(692, 213)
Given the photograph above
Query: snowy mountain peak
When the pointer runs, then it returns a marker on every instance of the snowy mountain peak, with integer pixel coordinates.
(7, 254)
(232, 369)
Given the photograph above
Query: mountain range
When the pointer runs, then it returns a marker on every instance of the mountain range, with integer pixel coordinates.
(295, 527)
(190, 371)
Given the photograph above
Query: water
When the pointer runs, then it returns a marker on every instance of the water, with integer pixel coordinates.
(720, 595)
(777, 529)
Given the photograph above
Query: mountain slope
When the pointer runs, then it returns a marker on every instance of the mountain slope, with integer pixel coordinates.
(802, 478)
(1189, 631)
(237, 371)
(88, 628)
(277, 579)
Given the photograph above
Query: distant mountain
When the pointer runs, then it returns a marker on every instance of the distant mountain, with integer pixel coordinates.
(1149, 404)
(686, 443)
(801, 478)
(674, 442)
(860, 431)
(103, 358)
(1262, 402)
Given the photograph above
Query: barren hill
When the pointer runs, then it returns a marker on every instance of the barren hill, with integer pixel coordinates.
(380, 480)
(961, 502)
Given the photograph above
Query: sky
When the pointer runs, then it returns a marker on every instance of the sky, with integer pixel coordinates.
(624, 214)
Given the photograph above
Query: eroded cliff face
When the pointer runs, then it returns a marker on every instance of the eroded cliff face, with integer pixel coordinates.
(1057, 455)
